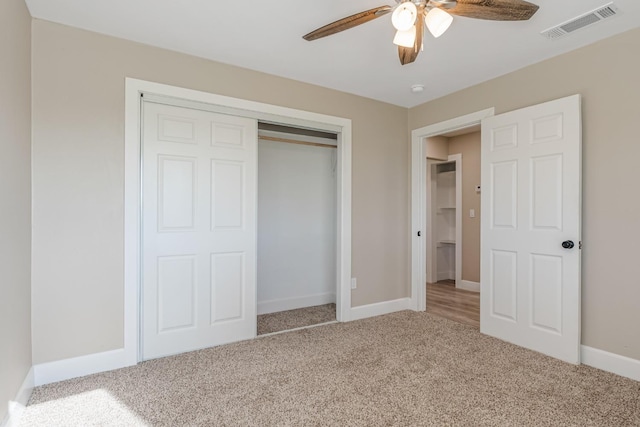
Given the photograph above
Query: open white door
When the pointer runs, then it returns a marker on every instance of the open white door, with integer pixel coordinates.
(199, 229)
(531, 228)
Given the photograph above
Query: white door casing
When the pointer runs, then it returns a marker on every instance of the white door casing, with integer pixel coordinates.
(531, 198)
(419, 206)
(131, 353)
(199, 229)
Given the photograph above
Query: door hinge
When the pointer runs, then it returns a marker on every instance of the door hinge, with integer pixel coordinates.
(580, 244)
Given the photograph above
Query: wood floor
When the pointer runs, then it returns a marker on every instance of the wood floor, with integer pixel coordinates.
(443, 299)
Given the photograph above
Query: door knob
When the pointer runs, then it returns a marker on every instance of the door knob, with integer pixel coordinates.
(568, 244)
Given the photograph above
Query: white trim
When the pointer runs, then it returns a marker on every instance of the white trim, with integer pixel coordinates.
(283, 304)
(468, 285)
(431, 245)
(60, 370)
(445, 275)
(418, 199)
(380, 308)
(458, 159)
(288, 116)
(457, 123)
(16, 406)
(611, 362)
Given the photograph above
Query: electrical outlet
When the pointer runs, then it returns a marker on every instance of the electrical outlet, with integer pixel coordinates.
(354, 283)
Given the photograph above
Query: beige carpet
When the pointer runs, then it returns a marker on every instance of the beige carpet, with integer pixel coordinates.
(291, 319)
(402, 369)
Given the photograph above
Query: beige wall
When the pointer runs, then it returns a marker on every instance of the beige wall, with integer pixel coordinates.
(78, 99)
(469, 146)
(438, 148)
(606, 74)
(15, 191)
(78, 112)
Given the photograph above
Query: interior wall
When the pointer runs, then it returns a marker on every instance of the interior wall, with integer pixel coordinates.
(15, 191)
(469, 146)
(296, 225)
(605, 74)
(78, 163)
(437, 147)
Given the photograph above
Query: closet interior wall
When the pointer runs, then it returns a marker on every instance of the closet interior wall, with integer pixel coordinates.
(297, 212)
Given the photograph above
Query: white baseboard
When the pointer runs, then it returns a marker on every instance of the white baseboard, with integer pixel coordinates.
(16, 407)
(60, 370)
(611, 362)
(277, 305)
(380, 308)
(446, 275)
(468, 285)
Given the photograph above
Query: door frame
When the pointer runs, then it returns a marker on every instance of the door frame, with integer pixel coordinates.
(418, 196)
(134, 91)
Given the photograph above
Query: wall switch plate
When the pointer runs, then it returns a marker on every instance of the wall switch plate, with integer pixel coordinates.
(354, 283)
(472, 213)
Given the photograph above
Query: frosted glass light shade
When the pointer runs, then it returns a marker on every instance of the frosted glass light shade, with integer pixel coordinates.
(438, 21)
(404, 16)
(405, 38)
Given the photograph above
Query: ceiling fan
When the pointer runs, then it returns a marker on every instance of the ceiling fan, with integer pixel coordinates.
(410, 16)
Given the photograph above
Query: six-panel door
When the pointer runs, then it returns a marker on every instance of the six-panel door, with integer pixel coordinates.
(531, 179)
(199, 229)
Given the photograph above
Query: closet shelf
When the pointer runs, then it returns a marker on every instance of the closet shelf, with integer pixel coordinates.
(447, 242)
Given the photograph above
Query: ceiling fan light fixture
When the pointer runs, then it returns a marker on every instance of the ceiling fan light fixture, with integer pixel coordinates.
(404, 16)
(405, 38)
(438, 21)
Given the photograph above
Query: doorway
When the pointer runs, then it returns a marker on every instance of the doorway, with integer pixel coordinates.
(444, 225)
(419, 177)
(453, 225)
(296, 228)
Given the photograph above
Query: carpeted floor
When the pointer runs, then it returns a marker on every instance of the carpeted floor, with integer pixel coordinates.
(291, 319)
(403, 369)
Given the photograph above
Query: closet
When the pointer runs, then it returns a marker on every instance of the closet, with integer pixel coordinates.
(297, 210)
(444, 220)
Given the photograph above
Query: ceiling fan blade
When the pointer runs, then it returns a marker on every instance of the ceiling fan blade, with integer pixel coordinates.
(409, 54)
(495, 10)
(348, 22)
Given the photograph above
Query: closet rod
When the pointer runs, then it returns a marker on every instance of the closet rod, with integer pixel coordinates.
(294, 141)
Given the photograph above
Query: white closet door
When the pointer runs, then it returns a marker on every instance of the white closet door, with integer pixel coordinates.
(199, 229)
(531, 179)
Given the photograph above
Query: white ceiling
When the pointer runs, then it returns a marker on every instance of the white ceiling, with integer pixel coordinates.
(266, 35)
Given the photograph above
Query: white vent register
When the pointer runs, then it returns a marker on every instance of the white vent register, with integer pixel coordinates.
(604, 12)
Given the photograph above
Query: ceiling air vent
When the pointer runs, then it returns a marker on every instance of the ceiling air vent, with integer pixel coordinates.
(607, 11)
